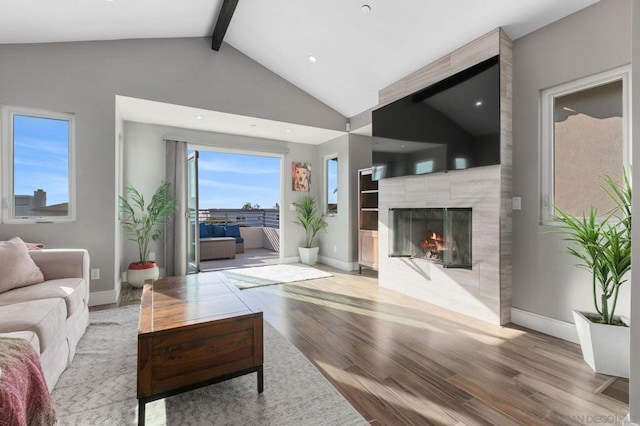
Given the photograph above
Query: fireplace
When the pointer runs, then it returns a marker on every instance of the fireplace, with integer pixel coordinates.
(439, 235)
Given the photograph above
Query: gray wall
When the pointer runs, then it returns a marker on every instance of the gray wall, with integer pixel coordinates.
(634, 381)
(84, 78)
(141, 142)
(338, 247)
(544, 282)
(333, 243)
(362, 119)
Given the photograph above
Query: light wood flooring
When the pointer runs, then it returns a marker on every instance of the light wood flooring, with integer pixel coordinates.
(402, 361)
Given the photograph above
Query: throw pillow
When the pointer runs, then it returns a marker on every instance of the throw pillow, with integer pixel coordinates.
(218, 231)
(17, 269)
(232, 231)
(204, 230)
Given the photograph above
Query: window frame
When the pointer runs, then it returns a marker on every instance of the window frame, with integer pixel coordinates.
(327, 158)
(7, 162)
(547, 102)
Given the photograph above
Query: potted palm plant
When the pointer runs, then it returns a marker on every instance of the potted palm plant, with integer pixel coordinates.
(603, 247)
(312, 222)
(141, 222)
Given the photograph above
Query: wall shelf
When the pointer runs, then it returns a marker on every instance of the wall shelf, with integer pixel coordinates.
(367, 220)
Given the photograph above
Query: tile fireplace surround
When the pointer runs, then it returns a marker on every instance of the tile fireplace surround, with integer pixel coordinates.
(476, 292)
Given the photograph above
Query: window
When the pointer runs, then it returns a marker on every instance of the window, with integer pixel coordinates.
(37, 166)
(585, 136)
(460, 163)
(425, 166)
(331, 184)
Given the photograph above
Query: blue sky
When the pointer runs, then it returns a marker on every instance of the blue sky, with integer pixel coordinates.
(332, 182)
(41, 157)
(231, 180)
(225, 180)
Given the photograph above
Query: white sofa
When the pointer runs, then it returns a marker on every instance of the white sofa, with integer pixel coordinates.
(51, 315)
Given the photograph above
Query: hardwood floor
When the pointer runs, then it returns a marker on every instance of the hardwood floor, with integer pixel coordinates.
(402, 361)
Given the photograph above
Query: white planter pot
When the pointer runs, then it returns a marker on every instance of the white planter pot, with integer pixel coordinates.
(308, 256)
(604, 347)
(137, 277)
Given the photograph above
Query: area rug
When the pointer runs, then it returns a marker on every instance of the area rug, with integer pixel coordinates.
(99, 388)
(273, 274)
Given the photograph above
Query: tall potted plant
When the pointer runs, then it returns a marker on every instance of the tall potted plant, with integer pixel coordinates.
(603, 247)
(312, 222)
(141, 222)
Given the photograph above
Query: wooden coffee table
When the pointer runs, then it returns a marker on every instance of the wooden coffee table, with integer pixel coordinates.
(194, 331)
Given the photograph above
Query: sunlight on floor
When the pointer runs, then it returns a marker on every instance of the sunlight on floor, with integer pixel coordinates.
(484, 338)
(419, 404)
(155, 413)
(361, 311)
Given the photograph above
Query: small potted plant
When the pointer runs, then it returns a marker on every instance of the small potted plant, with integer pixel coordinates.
(141, 222)
(603, 247)
(312, 222)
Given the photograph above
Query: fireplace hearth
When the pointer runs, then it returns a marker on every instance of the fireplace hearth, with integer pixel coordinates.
(438, 235)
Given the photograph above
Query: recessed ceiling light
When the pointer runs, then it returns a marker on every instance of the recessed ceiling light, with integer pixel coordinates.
(365, 9)
(312, 58)
(198, 117)
(288, 131)
(479, 103)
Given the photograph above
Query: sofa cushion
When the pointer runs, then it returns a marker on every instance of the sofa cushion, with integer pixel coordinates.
(44, 317)
(29, 336)
(204, 230)
(72, 290)
(217, 231)
(17, 269)
(232, 231)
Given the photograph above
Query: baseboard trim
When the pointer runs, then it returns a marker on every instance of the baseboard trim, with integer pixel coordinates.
(546, 325)
(339, 264)
(345, 266)
(97, 298)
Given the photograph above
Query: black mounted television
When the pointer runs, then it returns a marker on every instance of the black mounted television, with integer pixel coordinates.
(451, 125)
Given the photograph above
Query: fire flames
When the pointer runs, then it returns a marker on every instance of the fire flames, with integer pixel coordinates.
(433, 246)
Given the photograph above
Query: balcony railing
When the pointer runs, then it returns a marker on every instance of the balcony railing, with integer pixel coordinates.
(269, 218)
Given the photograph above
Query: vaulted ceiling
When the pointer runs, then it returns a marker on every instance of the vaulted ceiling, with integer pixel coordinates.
(358, 49)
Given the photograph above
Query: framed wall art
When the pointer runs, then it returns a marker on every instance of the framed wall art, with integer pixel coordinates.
(300, 176)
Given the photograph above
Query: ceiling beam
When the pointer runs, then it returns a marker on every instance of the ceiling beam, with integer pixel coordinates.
(224, 18)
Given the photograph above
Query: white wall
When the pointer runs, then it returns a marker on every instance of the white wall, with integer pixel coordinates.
(85, 77)
(595, 39)
(253, 237)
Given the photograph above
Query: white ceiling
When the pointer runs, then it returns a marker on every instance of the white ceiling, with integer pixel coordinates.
(357, 53)
(151, 112)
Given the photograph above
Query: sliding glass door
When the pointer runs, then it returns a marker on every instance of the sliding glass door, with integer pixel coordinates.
(193, 255)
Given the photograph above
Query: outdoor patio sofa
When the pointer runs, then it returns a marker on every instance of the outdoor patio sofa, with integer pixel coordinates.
(220, 241)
